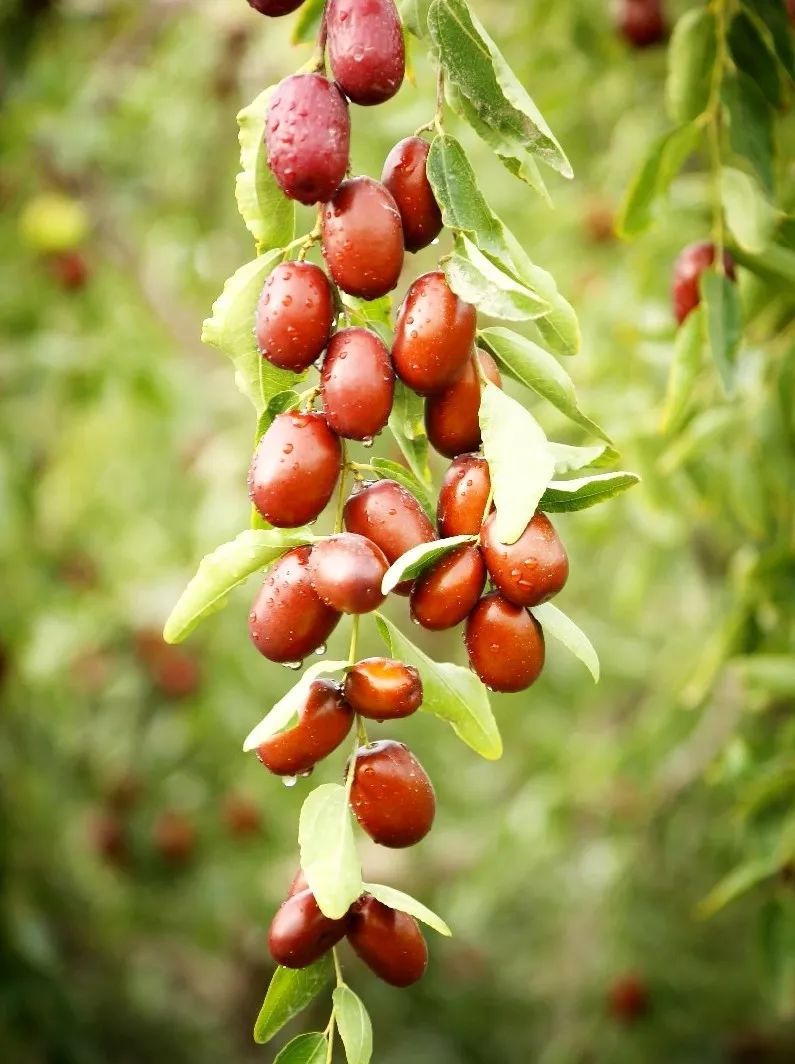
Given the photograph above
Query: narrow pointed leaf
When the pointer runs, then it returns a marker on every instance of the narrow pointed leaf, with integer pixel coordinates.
(389, 470)
(407, 425)
(724, 324)
(687, 361)
(566, 496)
(286, 708)
(396, 899)
(555, 623)
(415, 561)
(354, 1025)
(289, 993)
(569, 459)
(654, 179)
(691, 59)
(328, 850)
(481, 281)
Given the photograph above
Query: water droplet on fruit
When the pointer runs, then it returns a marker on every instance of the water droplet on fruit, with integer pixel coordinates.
(294, 665)
(321, 650)
(289, 781)
(367, 441)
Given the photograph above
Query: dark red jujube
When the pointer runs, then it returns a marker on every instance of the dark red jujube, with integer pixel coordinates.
(451, 416)
(434, 335)
(357, 384)
(295, 314)
(366, 49)
(362, 238)
(388, 941)
(405, 176)
(324, 720)
(463, 496)
(505, 644)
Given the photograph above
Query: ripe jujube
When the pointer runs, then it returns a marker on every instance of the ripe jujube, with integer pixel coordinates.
(357, 384)
(451, 416)
(505, 644)
(346, 571)
(294, 469)
(690, 264)
(434, 335)
(362, 238)
(383, 689)
(532, 569)
(324, 720)
(366, 50)
(295, 313)
(391, 796)
(300, 934)
(405, 176)
(445, 594)
(642, 22)
(275, 8)
(463, 496)
(388, 941)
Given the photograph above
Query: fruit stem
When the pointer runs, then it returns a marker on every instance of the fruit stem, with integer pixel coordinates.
(486, 508)
(712, 116)
(361, 732)
(330, 1033)
(341, 500)
(312, 237)
(337, 967)
(354, 639)
(438, 118)
(307, 398)
(319, 63)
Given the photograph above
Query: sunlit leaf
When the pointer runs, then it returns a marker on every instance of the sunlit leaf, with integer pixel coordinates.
(289, 705)
(555, 623)
(328, 850)
(724, 323)
(396, 899)
(750, 215)
(289, 993)
(415, 561)
(688, 357)
(354, 1025)
(691, 59)
(565, 496)
(309, 1048)
(480, 281)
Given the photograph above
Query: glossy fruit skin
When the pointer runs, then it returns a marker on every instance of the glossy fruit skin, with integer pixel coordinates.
(294, 316)
(346, 570)
(307, 135)
(391, 796)
(690, 264)
(505, 644)
(366, 49)
(434, 335)
(388, 941)
(642, 22)
(451, 416)
(463, 496)
(275, 8)
(323, 722)
(294, 469)
(531, 570)
(289, 620)
(300, 934)
(383, 689)
(362, 238)
(445, 595)
(357, 384)
(405, 176)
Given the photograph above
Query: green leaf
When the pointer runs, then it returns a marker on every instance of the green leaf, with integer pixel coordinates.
(557, 624)
(450, 692)
(774, 15)
(750, 125)
(559, 328)
(752, 54)
(414, 15)
(281, 402)
(776, 264)
(749, 214)
(654, 179)
(286, 708)
(738, 882)
(307, 23)
(269, 215)
(407, 425)
(510, 434)
(724, 324)
(777, 932)
(388, 470)
(534, 367)
(309, 1048)
(691, 60)
(289, 993)
(404, 903)
(415, 561)
(328, 850)
(687, 361)
(375, 314)
(222, 570)
(569, 459)
(354, 1025)
(774, 673)
(565, 496)
(480, 281)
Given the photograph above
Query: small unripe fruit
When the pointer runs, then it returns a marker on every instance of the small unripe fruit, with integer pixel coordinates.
(174, 837)
(690, 264)
(388, 941)
(289, 620)
(505, 644)
(406, 178)
(274, 8)
(295, 313)
(383, 689)
(357, 384)
(531, 570)
(451, 416)
(366, 50)
(362, 238)
(391, 795)
(294, 469)
(642, 22)
(445, 595)
(434, 335)
(300, 934)
(324, 720)
(346, 571)
(308, 135)
(463, 497)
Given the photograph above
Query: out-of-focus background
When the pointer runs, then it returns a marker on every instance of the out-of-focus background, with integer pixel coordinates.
(141, 853)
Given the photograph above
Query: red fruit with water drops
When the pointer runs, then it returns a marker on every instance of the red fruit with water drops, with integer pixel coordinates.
(531, 570)
(463, 497)
(690, 264)
(391, 795)
(383, 689)
(505, 644)
(289, 620)
(357, 384)
(274, 8)
(346, 571)
(324, 720)
(434, 335)
(405, 176)
(362, 238)
(451, 416)
(642, 22)
(307, 135)
(445, 595)
(366, 50)
(300, 934)
(294, 469)
(388, 941)
(295, 314)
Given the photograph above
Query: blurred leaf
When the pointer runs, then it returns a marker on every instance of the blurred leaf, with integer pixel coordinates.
(724, 325)
(415, 561)
(777, 935)
(749, 214)
(269, 215)
(687, 360)
(328, 850)
(479, 281)
(290, 705)
(289, 993)
(404, 903)
(375, 314)
(754, 57)
(555, 623)
(565, 496)
(654, 178)
(738, 882)
(569, 459)
(354, 1025)
(774, 15)
(388, 470)
(559, 328)
(407, 425)
(774, 673)
(450, 692)
(750, 125)
(305, 1049)
(691, 60)
(414, 14)
(775, 263)
(307, 22)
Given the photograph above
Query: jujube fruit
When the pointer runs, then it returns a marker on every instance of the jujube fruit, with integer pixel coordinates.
(642, 22)
(241, 816)
(532, 569)
(444, 595)
(689, 265)
(300, 934)
(294, 469)
(383, 689)
(388, 941)
(366, 49)
(434, 335)
(307, 135)
(174, 837)
(357, 384)
(628, 998)
(274, 8)
(346, 571)
(505, 644)
(406, 177)
(324, 720)
(288, 619)
(451, 416)
(391, 795)
(362, 239)
(463, 497)
(294, 316)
